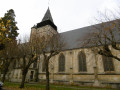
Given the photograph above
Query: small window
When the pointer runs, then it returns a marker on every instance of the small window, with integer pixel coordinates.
(43, 66)
(108, 64)
(82, 62)
(14, 64)
(61, 63)
(35, 65)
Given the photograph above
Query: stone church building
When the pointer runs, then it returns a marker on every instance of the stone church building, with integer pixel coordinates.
(75, 64)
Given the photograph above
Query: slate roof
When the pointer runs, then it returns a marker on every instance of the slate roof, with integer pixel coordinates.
(47, 16)
(75, 38)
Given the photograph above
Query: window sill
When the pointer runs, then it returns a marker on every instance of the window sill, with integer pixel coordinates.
(83, 73)
(61, 73)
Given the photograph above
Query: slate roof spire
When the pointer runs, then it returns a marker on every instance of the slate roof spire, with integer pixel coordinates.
(47, 16)
(47, 20)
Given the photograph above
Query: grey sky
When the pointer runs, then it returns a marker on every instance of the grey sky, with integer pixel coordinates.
(67, 14)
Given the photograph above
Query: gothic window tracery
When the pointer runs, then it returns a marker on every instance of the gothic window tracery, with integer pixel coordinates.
(82, 62)
(108, 64)
(61, 63)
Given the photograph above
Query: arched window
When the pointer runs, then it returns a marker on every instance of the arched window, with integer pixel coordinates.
(82, 62)
(108, 64)
(61, 63)
(43, 66)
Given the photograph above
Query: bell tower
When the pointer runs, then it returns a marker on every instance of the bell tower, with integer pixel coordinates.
(46, 26)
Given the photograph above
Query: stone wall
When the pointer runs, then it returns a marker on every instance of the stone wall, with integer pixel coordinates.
(71, 68)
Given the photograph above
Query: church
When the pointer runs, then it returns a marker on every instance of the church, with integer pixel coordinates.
(74, 65)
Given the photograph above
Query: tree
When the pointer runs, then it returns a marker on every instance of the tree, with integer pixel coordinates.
(28, 53)
(7, 56)
(8, 28)
(51, 45)
(8, 34)
(105, 36)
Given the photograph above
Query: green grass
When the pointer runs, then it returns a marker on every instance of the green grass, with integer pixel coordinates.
(38, 86)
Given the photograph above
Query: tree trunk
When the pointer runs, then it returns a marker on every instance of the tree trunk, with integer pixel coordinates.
(47, 76)
(4, 76)
(5, 72)
(23, 79)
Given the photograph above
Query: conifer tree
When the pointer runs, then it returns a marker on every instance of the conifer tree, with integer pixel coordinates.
(8, 28)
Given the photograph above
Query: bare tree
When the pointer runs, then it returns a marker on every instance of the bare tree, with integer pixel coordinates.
(106, 35)
(27, 55)
(51, 45)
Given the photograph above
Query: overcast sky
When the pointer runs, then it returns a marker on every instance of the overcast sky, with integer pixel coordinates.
(67, 14)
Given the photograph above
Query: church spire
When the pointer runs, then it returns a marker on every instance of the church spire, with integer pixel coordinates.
(47, 20)
(47, 16)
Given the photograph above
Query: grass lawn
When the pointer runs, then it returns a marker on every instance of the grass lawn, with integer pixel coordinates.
(15, 86)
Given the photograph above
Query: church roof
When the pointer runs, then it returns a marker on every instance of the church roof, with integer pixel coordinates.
(47, 16)
(76, 38)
